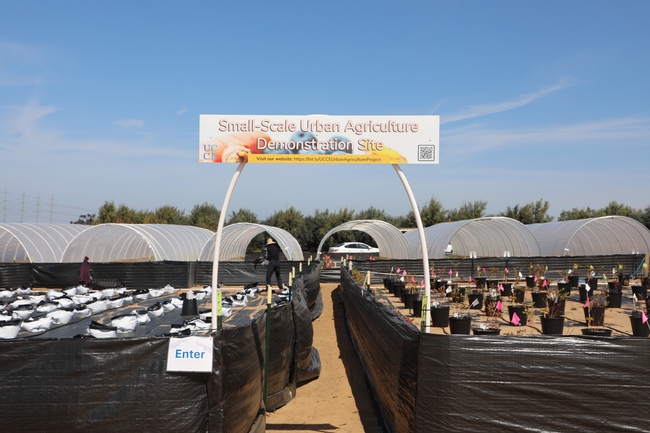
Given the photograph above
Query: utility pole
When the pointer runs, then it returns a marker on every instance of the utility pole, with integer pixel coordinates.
(4, 207)
(38, 206)
(22, 208)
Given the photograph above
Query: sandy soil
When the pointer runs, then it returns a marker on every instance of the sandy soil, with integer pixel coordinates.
(338, 400)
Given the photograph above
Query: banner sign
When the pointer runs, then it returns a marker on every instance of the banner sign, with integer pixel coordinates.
(190, 354)
(319, 139)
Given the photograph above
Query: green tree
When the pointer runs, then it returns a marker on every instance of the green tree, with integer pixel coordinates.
(243, 216)
(88, 219)
(372, 213)
(577, 214)
(645, 217)
(531, 213)
(431, 213)
(468, 211)
(289, 219)
(205, 215)
(314, 229)
(613, 208)
(107, 213)
(170, 215)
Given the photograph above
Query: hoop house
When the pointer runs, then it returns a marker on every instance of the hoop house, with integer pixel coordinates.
(391, 242)
(488, 237)
(236, 237)
(592, 237)
(137, 242)
(36, 242)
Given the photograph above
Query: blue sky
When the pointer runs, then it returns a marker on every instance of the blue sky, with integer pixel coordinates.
(100, 101)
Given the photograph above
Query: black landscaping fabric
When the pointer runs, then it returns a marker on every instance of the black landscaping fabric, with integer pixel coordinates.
(462, 383)
(64, 381)
(388, 348)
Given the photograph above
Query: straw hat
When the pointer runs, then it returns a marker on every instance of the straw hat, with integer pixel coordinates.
(269, 241)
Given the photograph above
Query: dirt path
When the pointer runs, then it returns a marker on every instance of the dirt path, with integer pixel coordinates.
(338, 400)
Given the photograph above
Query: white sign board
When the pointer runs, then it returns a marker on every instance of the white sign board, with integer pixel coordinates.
(319, 139)
(190, 354)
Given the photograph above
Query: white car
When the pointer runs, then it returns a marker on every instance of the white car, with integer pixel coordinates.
(353, 248)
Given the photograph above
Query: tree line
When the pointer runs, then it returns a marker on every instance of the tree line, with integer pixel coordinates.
(310, 229)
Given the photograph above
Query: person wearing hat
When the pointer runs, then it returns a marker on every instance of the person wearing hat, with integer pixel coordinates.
(272, 254)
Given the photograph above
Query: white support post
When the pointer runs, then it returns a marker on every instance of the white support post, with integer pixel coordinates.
(423, 243)
(217, 243)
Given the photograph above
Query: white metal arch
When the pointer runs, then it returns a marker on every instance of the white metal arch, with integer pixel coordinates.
(594, 236)
(236, 237)
(390, 240)
(488, 237)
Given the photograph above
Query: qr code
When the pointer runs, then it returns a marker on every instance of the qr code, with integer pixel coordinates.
(426, 152)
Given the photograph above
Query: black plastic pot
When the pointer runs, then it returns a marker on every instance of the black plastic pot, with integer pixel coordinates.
(639, 329)
(564, 287)
(398, 286)
(519, 295)
(490, 305)
(520, 310)
(593, 282)
(440, 316)
(460, 325)
(597, 314)
(480, 282)
(615, 299)
(475, 296)
(597, 332)
(552, 325)
(641, 292)
(573, 280)
(582, 290)
(530, 281)
(409, 299)
(507, 289)
(417, 308)
(479, 331)
(539, 299)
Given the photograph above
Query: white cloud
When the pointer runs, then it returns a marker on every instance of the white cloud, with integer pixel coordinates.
(181, 111)
(25, 117)
(476, 138)
(129, 123)
(498, 107)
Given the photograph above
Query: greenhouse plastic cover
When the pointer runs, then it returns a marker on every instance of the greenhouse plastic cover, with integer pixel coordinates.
(36, 242)
(390, 240)
(488, 237)
(137, 242)
(236, 237)
(476, 383)
(592, 237)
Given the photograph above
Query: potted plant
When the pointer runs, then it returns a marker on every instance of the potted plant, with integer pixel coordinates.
(639, 323)
(519, 313)
(491, 325)
(594, 308)
(481, 278)
(615, 294)
(505, 287)
(461, 321)
(477, 292)
(539, 292)
(564, 285)
(574, 276)
(553, 318)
